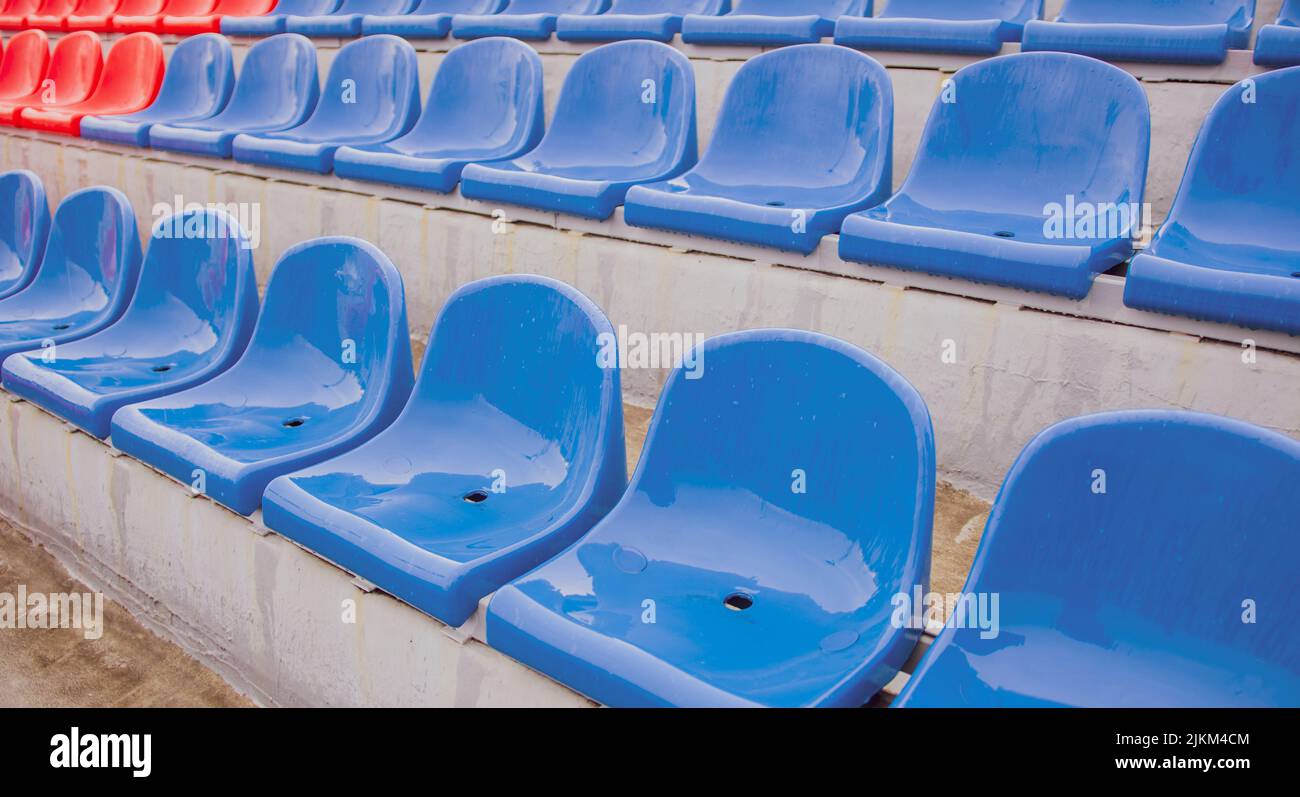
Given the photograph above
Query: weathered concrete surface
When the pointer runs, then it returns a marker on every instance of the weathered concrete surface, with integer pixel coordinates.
(127, 666)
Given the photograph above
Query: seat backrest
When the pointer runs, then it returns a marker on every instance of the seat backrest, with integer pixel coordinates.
(381, 7)
(187, 8)
(197, 274)
(488, 92)
(92, 258)
(1030, 129)
(20, 8)
(25, 61)
(807, 110)
(54, 8)
(1147, 532)
(277, 82)
(335, 308)
(1289, 13)
(631, 103)
(555, 6)
(459, 6)
(24, 226)
(96, 8)
(132, 73)
(373, 86)
(524, 348)
(141, 8)
(305, 8)
(75, 66)
(1234, 13)
(200, 76)
(827, 9)
(1243, 175)
(846, 443)
(1018, 11)
(707, 7)
(242, 8)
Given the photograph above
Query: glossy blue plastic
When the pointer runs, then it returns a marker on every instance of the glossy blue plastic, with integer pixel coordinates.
(1230, 248)
(1124, 549)
(772, 22)
(768, 560)
(1186, 31)
(24, 227)
(371, 95)
(660, 20)
(197, 84)
(804, 137)
(346, 19)
(190, 318)
(430, 19)
(625, 115)
(274, 22)
(968, 27)
(1279, 45)
(509, 450)
(485, 104)
(87, 274)
(1012, 183)
(522, 19)
(328, 367)
(276, 90)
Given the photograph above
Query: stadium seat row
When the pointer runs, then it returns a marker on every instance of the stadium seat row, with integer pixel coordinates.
(784, 567)
(1049, 195)
(54, 92)
(1192, 31)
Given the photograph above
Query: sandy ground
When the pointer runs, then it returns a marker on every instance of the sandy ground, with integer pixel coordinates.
(130, 666)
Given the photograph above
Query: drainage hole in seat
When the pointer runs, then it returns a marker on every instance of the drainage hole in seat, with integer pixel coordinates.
(1005, 234)
(158, 369)
(62, 326)
(476, 497)
(738, 602)
(294, 423)
(776, 203)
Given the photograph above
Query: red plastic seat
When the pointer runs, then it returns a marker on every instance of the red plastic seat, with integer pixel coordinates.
(133, 72)
(14, 15)
(73, 72)
(24, 64)
(211, 23)
(152, 21)
(92, 15)
(50, 14)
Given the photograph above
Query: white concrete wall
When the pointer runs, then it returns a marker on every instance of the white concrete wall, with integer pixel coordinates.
(266, 615)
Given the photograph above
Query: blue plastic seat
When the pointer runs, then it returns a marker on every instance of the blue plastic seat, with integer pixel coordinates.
(371, 95)
(1159, 31)
(190, 318)
(24, 226)
(660, 20)
(604, 137)
(804, 137)
(87, 274)
(485, 104)
(781, 501)
(1140, 559)
(197, 84)
(993, 166)
(522, 19)
(328, 367)
(1230, 248)
(968, 27)
(772, 22)
(274, 22)
(509, 450)
(346, 19)
(430, 19)
(276, 90)
(1279, 45)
